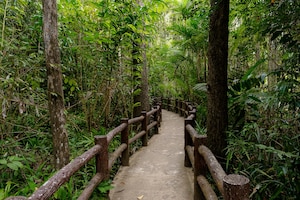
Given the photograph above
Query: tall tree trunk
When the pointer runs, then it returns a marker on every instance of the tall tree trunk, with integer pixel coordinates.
(141, 78)
(55, 89)
(141, 98)
(144, 84)
(136, 79)
(217, 111)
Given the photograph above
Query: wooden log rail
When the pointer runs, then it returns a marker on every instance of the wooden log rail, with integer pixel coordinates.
(202, 160)
(104, 161)
(178, 106)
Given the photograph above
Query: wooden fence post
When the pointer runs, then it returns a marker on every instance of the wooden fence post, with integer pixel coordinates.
(144, 128)
(185, 108)
(168, 103)
(180, 107)
(176, 106)
(199, 166)
(160, 113)
(173, 105)
(193, 112)
(236, 187)
(102, 157)
(187, 142)
(156, 118)
(124, 139)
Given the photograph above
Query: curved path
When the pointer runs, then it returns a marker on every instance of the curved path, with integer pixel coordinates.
(157, 172)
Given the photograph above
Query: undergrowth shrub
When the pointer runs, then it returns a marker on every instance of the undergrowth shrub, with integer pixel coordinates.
(270, 159)
(264, 140)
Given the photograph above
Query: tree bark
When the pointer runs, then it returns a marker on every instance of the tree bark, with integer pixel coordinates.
(141, 80)
(55, 89)
(217, 111)
(137, 109)
(144, 84)
(140, 50)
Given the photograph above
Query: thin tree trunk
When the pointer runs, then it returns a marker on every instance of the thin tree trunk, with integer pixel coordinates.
(144, 84)
(217, 115)
(136, 80)
(55, 89)
(272, 66)
(140, 80)
(199, 66)
(139, 52)
(205, 65)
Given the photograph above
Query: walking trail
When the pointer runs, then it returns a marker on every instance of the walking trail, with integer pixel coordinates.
(157, 172)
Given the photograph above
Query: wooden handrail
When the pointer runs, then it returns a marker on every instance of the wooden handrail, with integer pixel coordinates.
(104, 163)
(151, 112)
(117, 153)
(94, 182)
(136, 137)
(198, 156)
(214, 167)
(190, 152)
(63, 175)
(111, 134)
(135, 120)
(192, 132)
(206, 188)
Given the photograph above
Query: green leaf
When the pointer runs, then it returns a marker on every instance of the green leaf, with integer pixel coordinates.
(2, 194)
(72, 82)
(54, 94)
(13, 166)
(133, 28)
(137, 104)
(18, 163)
(201, 87)
(137, 92)
(66, 80)
(13, 158)
(3, 162)
(264, 173)
(254, 98)
(251, 69)
(279, 153)
(105, 186)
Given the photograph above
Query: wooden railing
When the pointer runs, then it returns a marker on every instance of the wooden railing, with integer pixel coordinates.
(104, 161)
(198, 156)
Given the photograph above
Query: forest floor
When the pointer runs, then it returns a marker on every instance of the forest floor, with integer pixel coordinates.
(157, 171)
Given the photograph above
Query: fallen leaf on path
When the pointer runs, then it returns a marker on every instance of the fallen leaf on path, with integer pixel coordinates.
(140, 197)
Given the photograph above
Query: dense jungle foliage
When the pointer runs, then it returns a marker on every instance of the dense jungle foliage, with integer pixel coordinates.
(96, 40)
